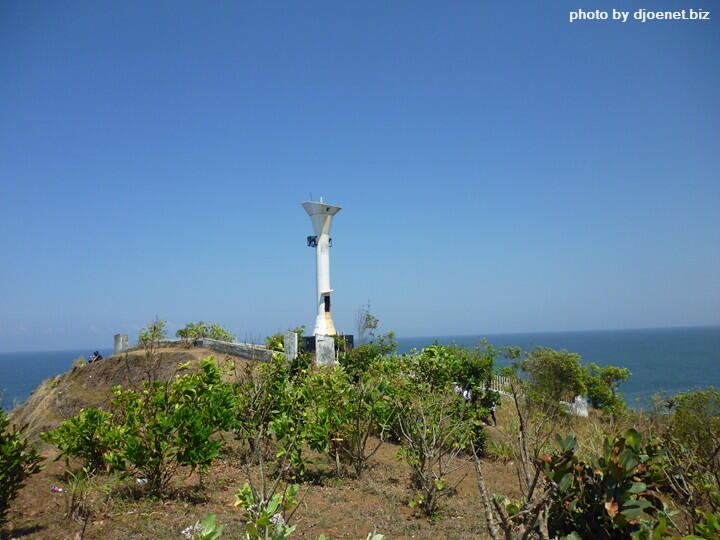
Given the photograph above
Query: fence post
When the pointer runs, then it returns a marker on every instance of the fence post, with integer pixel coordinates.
(290, 342)
(121, 343)
(325, 350)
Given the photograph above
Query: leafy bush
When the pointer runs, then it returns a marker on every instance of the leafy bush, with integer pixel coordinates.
(432, 436)
(259, 394)
(349, 412)
(202, 330)
(692, 443)
(151, 335)
(696, 423)
(19, 459)
(275, 342)
(358, 360)
(611, 496)
(295, 426)
(89, 436)
(554, 375)
(172, 424)
(601, 386)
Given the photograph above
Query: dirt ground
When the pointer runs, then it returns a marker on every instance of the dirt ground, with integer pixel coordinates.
(116, 508)
(336, 507)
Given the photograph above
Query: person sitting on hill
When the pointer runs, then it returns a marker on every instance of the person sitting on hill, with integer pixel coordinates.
(95, 357)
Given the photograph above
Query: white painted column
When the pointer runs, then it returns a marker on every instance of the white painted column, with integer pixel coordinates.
(321, 215)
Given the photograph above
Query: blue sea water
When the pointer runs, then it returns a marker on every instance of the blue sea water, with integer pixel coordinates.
(21, 373)
(667, 360)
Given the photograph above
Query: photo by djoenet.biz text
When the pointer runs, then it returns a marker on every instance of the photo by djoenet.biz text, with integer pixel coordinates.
(639, 15)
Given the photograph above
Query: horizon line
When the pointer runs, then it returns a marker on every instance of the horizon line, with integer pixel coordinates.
(436, 336)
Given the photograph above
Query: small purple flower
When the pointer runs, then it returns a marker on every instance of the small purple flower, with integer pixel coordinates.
(192, 530)
(278, 520)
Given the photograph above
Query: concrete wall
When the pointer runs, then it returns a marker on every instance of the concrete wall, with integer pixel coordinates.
(249, 351)
(243, 350)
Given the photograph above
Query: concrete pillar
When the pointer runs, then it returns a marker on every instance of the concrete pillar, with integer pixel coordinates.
(121, 343)
(290, 341)
(325, 350)
(580, 407)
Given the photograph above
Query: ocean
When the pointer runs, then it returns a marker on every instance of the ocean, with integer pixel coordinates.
(21, 373)
(668, 360)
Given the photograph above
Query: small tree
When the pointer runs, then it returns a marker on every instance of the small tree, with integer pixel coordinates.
(171, 424)
(366, 324)
(149, 340)
(90, 436)
(19, 459)
(601, 384)
(554, 375)
(693, 453)
(202, 330)
(432, 437)
(346, 412)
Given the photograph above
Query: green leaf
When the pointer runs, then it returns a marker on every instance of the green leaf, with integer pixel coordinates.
(633, 510)
(564, 483)
(637, 487)
(208, 522)
(632, 439)
(629, 460)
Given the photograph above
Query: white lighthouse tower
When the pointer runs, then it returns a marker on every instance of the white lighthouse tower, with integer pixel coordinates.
(321, 215)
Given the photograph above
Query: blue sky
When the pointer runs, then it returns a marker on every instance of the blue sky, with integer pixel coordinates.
(500, 169)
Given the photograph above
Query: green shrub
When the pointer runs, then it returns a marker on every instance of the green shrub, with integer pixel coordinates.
(554, 375)
(276, 342)
(358, 360)
(614, 495)
(432, 437)
(150, 336)
(696, 423)
(601, 384)
(19, 459)
(202, 330)
(89, 436)
(259, 398)
(295, 426)
(171, 424)
(692, 441)
(349, 412)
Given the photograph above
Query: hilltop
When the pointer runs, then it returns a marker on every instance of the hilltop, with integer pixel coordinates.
(90, 385)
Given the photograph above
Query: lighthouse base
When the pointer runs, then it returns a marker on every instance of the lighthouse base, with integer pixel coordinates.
(324, 325)
(325, 351)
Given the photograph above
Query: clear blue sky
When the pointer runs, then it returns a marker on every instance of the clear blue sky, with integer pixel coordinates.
(499, 169)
